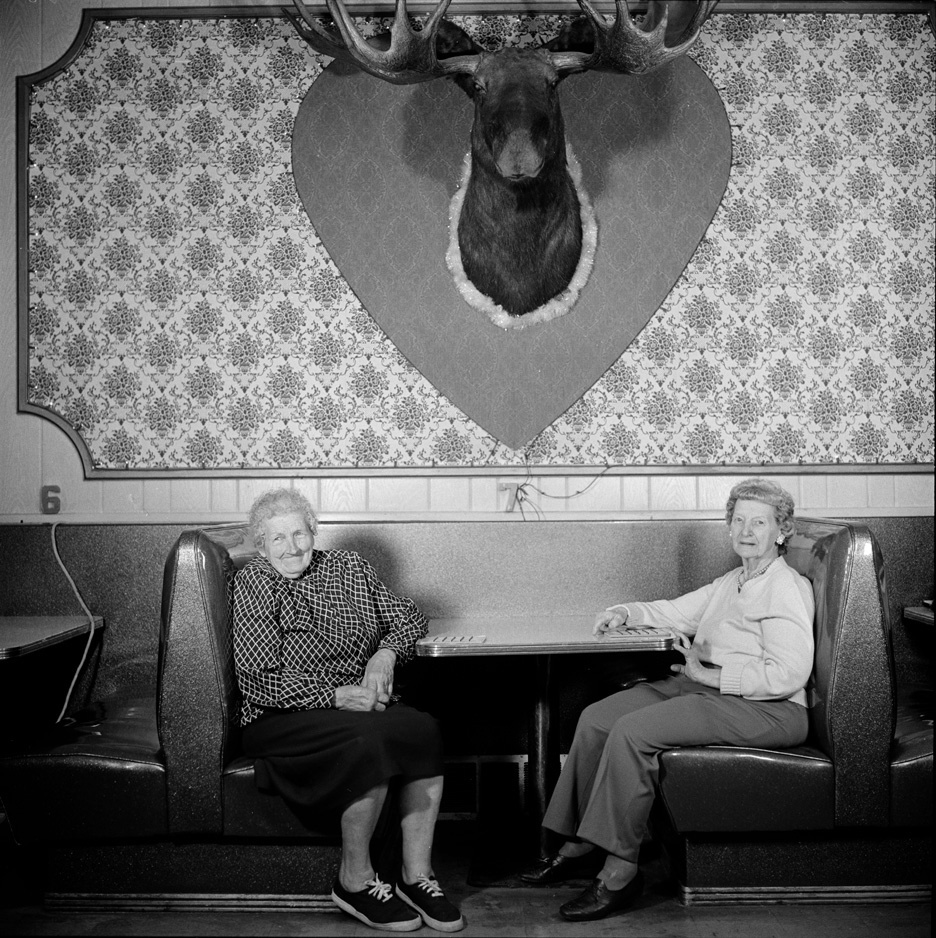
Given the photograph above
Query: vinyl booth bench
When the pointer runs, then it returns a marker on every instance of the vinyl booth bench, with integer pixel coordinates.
(145, 801)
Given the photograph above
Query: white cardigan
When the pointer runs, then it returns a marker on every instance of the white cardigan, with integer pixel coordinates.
(761, 637)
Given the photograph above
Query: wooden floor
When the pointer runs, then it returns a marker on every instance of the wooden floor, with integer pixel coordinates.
(509, 912)
(499, 911)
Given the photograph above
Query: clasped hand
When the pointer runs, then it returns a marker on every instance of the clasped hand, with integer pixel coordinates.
(610, 620)
(373, 693)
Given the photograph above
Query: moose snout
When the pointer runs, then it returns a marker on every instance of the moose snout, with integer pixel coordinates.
(519, 157)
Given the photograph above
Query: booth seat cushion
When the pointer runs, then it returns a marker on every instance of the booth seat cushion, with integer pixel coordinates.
(729, 788)
(252, 813)
(912, 760)
(101, 776)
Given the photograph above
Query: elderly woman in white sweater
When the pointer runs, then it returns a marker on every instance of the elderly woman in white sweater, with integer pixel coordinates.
(747, 640)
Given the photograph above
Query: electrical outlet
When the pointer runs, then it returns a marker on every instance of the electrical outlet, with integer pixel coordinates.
(512, 489)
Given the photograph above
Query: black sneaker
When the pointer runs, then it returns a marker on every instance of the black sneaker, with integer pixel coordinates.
(376, 906)
(427, 898)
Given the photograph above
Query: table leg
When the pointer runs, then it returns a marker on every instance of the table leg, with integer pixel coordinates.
(543, 746)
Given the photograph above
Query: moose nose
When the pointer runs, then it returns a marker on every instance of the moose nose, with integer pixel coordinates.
(519, 158)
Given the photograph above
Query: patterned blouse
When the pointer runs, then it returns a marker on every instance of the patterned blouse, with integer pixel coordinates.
(295, 641)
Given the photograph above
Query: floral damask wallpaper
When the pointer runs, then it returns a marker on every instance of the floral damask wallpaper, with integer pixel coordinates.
(182, 313)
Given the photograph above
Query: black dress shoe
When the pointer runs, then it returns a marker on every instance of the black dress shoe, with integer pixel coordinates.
(598, 901)
(557, 868)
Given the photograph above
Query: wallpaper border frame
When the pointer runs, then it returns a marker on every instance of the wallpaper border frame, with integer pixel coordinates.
(89, 17)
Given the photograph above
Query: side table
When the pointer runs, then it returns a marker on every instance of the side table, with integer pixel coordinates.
(38, 659)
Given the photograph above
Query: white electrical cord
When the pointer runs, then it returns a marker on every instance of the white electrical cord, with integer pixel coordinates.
(87, 611)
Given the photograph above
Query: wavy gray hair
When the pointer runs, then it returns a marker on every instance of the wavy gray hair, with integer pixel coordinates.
(279, 502)
(769, 493)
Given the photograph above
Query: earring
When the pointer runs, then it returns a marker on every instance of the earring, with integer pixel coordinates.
(779, 541)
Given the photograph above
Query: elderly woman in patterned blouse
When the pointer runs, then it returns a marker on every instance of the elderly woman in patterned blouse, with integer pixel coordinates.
(316, 640)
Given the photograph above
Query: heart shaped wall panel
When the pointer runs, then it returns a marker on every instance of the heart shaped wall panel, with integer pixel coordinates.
(376, 166)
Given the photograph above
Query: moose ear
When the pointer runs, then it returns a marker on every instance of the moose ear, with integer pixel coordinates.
(466, 83)
(453, 40)
(577, 36)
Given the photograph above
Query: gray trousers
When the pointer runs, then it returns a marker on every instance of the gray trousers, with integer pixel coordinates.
(607, 784)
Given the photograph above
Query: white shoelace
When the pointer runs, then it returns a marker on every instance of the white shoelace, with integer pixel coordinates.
(378, 889)
(430, 885)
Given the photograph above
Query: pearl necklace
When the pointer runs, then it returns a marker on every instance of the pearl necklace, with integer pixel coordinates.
(755, 574)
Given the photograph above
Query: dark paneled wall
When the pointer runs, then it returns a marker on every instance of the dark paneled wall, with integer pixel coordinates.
(118, 570)
(496, 568)
(907, 546)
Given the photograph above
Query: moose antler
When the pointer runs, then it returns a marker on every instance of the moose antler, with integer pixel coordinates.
(521, 222)
(411, 56)
(623, 46)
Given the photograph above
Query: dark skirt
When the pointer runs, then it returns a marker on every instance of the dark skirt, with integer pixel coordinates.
(326, 759)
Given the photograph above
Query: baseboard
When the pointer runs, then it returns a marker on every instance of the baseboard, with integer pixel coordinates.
(842, 865)
(177, 874)
(192, 902)
(802, 895)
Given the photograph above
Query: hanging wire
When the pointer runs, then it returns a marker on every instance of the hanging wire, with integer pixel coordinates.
(527, 486)
(523, 498)
(87, 612)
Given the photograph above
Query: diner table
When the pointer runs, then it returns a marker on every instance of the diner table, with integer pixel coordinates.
(541, 636)
(23, 635)
(921, 614)
(39, 658)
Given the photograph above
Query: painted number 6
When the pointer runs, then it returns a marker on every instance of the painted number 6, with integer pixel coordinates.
(49, 496)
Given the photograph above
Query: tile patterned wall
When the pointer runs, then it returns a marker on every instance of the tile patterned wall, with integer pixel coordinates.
(182, 314)
(454, 497)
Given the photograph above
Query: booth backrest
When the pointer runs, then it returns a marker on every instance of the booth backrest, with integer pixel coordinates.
(197, 688)
(852, 693)
(464, 569)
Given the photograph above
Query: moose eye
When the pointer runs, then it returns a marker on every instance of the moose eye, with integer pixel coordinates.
(479, 88)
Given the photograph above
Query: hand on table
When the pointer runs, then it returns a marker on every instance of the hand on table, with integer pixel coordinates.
(616, 619)
(608, 621)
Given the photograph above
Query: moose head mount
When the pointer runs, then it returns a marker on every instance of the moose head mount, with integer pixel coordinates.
(523, 234)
